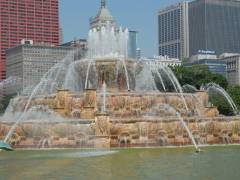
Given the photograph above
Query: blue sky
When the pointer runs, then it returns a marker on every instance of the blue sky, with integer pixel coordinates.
(139, 15)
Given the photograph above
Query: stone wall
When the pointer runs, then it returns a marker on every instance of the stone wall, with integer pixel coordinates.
(104, 132)
(127, 104)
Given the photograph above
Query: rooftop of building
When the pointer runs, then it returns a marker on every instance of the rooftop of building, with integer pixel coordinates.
(74, 42)
(39, 46)
(178, 4)
(228, 55)
(161, 58)
(207, 61)
(171, 7)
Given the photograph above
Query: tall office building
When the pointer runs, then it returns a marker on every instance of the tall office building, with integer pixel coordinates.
(173, 31)
(79, 46)
(214, 25)
(132, 44)
(139, 53)
(188, 28)
(233, 68)
(36, 20)
(31, 63)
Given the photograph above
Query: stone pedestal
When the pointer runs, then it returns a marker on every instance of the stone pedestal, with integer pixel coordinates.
(61, 101)
(102, 130)
(87, 113)
(89, 104)
(211, 112)
(203, 96)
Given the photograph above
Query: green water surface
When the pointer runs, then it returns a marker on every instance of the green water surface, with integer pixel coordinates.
(220, 163)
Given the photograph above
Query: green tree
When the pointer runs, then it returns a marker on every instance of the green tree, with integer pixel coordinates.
(221, 103)
(1, 108)
(198, 75)
(234, 92)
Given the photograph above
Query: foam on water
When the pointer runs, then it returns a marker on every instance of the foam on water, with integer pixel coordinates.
(80, 154)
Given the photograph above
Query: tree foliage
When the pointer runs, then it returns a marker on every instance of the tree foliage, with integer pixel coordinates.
(234, 92)
(221, 103)
(198, 75)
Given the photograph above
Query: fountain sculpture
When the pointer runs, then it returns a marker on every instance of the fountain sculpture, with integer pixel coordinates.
(109, 100)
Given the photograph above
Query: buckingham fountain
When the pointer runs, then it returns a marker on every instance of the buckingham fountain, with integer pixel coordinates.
(108, 100)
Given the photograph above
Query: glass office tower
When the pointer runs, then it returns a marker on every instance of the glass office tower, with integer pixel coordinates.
(214, 25)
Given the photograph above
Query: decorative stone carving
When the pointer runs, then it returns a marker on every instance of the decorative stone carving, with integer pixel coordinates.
(102, 124)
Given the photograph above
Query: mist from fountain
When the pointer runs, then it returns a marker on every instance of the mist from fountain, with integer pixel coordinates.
(72, 80)
(80, 74)
(145, 79)
(35, 113)
(108, 42)
(104, 93)
(12, 80)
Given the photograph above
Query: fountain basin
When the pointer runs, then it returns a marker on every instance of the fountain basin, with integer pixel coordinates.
(70, 118)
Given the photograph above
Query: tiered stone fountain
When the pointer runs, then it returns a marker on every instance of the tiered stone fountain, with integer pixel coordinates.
(112, 101)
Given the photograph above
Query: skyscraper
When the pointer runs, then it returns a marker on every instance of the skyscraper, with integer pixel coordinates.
(187, 28)
(132, 44)
(138, 53)
(31, 62)
(173, 31)
(36, 20)
(214, 25)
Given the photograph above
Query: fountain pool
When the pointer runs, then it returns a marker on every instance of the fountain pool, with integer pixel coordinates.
(159, 163)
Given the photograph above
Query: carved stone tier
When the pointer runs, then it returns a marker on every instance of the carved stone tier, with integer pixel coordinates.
(102, 130)
(113, 73)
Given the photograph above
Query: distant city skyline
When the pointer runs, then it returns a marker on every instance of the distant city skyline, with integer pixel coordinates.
(136, 15)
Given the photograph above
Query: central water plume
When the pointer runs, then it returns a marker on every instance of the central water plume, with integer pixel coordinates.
(104, 93)
(108, 42)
